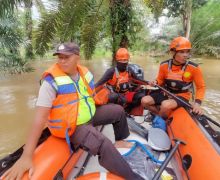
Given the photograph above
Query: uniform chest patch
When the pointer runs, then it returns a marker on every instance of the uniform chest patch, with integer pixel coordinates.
(187, 74)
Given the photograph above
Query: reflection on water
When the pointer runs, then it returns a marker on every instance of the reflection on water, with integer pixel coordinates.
(212, 104)
(7, 98)
(18, 96)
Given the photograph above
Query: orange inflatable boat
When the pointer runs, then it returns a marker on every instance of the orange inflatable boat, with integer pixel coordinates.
(198, 159)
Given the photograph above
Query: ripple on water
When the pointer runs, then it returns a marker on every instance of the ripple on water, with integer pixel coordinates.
(212, 104)
(6, 97)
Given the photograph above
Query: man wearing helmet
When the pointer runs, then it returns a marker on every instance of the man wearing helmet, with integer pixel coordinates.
(177, 75)
(118, 80)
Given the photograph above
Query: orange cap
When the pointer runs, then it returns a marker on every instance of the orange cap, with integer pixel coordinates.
(180, 43)
(122, 54)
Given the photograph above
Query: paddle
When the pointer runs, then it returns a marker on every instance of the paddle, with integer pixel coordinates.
(187, 104)
(168, 158)
(178, 99)
(202, 119)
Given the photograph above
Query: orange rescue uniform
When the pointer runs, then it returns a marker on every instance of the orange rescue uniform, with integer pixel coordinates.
(184, 75)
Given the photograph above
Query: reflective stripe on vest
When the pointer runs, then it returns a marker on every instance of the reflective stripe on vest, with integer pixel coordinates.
(74, 103)
(174, 81)
(120, 81)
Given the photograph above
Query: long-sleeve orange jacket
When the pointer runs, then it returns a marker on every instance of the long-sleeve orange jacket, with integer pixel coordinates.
(177, 77)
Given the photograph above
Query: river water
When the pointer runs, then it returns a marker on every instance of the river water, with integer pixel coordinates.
(19, 92)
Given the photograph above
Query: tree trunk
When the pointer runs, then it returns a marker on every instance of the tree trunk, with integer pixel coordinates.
(113, 28)
(187, 18)
(28, 29)
(120, 16)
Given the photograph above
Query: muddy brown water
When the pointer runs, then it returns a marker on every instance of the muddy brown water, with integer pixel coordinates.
(19, 92)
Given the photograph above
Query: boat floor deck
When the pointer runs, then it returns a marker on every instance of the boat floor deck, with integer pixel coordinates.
(93, 164)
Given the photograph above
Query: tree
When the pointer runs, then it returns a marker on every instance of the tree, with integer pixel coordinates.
(183, 8)
(28, 29)
(72, 20)
(10, 55)
(7, 7)
(10, 59)
(205, 34)
(11, 38)
(28, 24)
(156, 7)
(86, 22)
(120, 19)
(176, 8)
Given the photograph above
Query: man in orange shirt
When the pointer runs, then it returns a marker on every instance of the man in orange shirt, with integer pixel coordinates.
(177, 75)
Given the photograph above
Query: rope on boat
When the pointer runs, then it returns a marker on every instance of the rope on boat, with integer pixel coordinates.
(137, 143)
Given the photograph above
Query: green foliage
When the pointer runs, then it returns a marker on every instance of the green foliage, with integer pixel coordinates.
(123, 23)
(10, 41)
(156, 7)
(177, 7)
(71, 21)
(28, 23)
(7, 6)
(205, 33)
(86, 22)
(10, 36)
(40, 6)
(172, 28)
(16, 35)
(12, 63)
(45, 32)
(90, 32)
(119, 23)
(71, 15)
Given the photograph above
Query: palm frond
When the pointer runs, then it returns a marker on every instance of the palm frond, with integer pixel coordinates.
(12, 63)
(205, 34)
(10, 37)
(7, 6)
(46, 32)
(72, 14)
(40, 6)
(62, 23)
(90, 31)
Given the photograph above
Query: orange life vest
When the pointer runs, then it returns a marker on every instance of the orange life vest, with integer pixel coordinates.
(175, 81)
(101, 95)
(120, 81)
(64, 113)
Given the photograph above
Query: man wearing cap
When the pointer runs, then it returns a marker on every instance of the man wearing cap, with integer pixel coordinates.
(66, 97)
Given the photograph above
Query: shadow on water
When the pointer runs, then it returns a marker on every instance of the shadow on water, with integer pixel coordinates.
(19, 93)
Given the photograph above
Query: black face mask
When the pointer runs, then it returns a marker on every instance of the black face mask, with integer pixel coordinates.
(122, 66)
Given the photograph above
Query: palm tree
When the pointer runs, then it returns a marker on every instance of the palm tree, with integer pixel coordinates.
(11, 37)
(86, 22)
(10, 59)
(8, 7)
(121, 20)
(205, 34)
(72, 20)
(28, 29)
